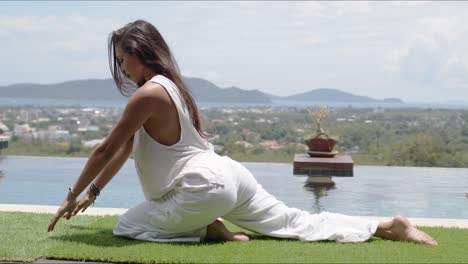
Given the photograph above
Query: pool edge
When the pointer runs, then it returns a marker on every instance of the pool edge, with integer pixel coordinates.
(50, 209)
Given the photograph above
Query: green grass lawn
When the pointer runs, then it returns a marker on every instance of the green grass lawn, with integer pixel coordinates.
(24, 237)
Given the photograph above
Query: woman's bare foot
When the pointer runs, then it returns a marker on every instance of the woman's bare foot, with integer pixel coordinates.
(399, 228)
(218, 232)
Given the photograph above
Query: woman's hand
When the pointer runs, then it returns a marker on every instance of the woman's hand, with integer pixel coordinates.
(64, 211)
(84, 202)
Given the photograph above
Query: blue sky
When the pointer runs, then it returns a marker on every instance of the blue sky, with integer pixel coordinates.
(416, 51)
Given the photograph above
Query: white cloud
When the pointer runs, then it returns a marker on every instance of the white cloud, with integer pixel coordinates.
(213, 75)
(187, 72)
(342, 8)
(409, 3)
(378, 49)
(56, 48)
(69, 33)
(307, 10)
(449, 28)
(437, 55)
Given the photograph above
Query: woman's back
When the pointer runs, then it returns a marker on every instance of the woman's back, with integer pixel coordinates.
(164, 125)
(159, 165)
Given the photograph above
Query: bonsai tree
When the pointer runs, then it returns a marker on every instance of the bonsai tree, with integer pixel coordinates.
(320, 140)
(318, 115)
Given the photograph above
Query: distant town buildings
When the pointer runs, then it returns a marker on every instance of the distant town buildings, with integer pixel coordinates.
(92, 143)
(22, 130)
(243, 143)
(3, 128)
(58, 124)
(271, 144)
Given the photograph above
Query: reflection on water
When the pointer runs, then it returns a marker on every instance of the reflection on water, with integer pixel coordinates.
(318, 192)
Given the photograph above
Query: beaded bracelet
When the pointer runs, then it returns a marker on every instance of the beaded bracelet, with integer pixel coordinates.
(95, 189)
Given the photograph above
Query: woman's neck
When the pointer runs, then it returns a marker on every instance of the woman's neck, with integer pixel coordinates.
(149, 74)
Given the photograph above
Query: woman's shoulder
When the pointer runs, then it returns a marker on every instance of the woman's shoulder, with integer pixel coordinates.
(153, 93)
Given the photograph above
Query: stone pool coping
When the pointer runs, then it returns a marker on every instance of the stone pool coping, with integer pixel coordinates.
(430, 222)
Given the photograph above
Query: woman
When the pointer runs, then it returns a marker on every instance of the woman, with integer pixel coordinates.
(188, 186)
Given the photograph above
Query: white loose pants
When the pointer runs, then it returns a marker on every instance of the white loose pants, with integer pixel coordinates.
(228, 190)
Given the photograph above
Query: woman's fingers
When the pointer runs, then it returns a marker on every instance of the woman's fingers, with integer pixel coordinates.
(51, 225)
(63, 211)
(77, 208)
(54, 220)
(82, 205)
(88, 203)
(66, 215)
(84, 208)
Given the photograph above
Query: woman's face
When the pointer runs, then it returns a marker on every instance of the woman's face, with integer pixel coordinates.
(130, 66)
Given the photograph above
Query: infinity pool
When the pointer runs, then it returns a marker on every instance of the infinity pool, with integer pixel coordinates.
(373, 191)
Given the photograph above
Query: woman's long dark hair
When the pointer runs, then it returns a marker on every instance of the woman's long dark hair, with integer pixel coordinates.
(142, 39)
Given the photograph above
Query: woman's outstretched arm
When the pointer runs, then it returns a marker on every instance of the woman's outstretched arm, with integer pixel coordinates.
(114, 165)
(141, 106)
(104, 177)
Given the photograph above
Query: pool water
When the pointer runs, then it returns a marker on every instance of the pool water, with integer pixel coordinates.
(373, 191)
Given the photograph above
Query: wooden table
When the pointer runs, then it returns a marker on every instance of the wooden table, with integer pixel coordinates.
(320, 170)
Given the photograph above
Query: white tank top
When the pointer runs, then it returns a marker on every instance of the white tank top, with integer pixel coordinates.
(159, 166)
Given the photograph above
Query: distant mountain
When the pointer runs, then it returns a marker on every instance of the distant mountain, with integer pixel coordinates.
(202, 90)
(455, 102)
(205, 91)
(393, 100)
(95, 89)
(333, 95)
(79, 89)
(274, 97)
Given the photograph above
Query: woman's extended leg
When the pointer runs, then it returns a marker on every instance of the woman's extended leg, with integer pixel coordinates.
(263, 213)
(399, 228)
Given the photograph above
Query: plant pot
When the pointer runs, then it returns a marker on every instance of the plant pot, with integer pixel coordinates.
(321, 144)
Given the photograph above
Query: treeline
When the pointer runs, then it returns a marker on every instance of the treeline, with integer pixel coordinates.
(390, 137)
(384, 137)
(35, 147)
